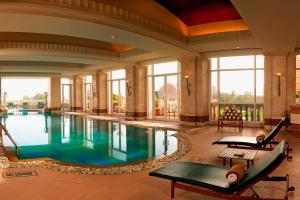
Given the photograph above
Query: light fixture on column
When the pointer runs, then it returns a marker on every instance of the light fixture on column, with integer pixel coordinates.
(128, 88)
(278, 83)
(188, 85)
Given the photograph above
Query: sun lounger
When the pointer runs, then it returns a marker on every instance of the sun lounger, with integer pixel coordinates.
(251, 141)
(210, 179)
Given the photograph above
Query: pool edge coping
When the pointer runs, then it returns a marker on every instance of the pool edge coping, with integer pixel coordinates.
(184, 146)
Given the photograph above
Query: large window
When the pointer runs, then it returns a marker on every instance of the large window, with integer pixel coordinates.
(117, 91)
(66, 93)
(88, 93)
(237, 81)
(163, 90)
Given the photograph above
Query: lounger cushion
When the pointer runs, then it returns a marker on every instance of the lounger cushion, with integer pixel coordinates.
(238, 140)
(212, 177)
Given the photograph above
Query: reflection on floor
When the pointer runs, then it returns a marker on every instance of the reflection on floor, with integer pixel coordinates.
(55, 185)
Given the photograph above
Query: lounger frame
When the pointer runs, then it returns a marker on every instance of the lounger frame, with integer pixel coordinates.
(237, 195)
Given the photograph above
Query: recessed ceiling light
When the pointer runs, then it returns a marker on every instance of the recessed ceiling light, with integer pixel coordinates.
(113, 36)
(238, 47)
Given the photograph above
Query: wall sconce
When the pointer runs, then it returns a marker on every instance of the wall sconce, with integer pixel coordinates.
(278, 83)
(188, 85)
(128, 88)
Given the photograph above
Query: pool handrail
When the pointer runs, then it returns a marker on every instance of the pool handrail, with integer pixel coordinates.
(18, 150)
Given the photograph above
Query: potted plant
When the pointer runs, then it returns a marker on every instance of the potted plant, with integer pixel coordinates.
(157, 107)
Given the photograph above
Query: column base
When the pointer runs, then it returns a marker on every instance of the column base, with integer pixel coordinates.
(99, 111)
(76, 108)
(135, 115)
(50, 110)
(191, 120)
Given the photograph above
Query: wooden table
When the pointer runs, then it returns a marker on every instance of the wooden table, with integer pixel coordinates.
(229, 153)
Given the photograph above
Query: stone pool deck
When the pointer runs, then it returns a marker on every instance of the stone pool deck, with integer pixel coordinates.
(54, 185)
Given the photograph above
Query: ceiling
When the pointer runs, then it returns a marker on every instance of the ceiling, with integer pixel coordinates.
(37, 37)
(195, 12)
(129, 42)
(274, 24)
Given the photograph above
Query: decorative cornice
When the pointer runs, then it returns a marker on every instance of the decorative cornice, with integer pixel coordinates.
(106, 9)
(59, 48)
(233, 35)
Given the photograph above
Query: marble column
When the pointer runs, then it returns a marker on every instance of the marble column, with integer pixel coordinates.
(188, 92)
(130, 101)
(279, 91)
(136, 95)
(140, 91)
(78, 98)
(95, 88)
(194, 90)
(1, 106)
(102, 92)
(202, 90)
(54, 94)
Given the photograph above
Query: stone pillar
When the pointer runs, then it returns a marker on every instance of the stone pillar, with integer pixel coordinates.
(140, 91)
(1, 106)
(202, 90)
(55, 94)
(136, 92)
(46, 100)
(291, 82)
(95, 93)
(130, 101)
(102, 92)
(194, 103)
(188, 92)
(77, 93)
(278, 97)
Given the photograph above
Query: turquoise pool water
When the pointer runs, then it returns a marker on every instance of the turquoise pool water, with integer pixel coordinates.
(82, 140)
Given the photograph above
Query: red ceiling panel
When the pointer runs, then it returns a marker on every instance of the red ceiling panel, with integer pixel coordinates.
(195, 12)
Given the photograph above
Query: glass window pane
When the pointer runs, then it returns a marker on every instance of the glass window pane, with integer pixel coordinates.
(88, 79)
(214, 87)
(159, 96)
(165, 68)
(260, 86)
(214, 63)
(237, 62)
(172, 96)
(118, 74)
(260, 61)
(149, 70)
(115, 96)
(66, 81)
(237, 86)
(123, 96)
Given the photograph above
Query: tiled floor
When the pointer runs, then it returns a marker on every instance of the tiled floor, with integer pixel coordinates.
(55, 185)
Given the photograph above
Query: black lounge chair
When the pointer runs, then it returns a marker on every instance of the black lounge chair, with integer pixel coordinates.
(210, 180)
(249, 142)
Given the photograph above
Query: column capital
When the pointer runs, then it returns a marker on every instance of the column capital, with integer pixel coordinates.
(139, 65)
(269, 53)
(187, 59)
